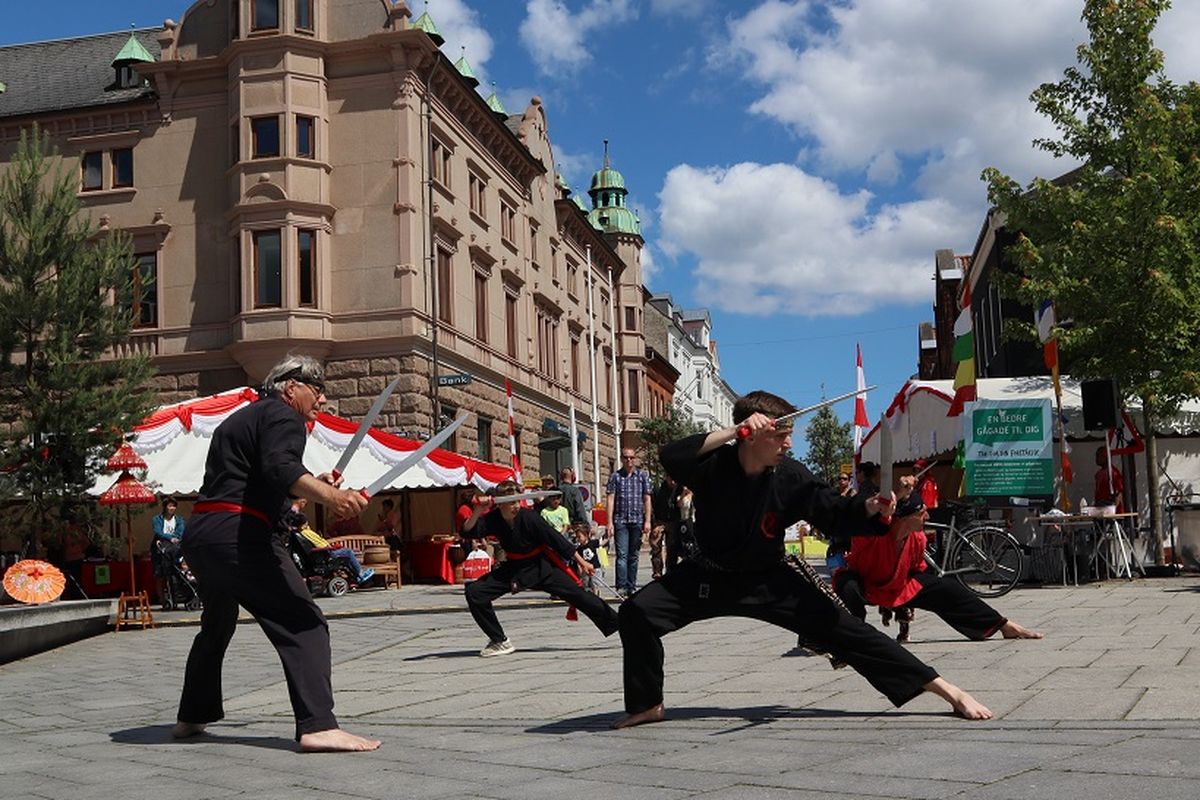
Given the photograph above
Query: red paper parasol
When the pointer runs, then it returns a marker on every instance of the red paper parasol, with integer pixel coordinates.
(128, 491)
(124, 459)
(32, 581)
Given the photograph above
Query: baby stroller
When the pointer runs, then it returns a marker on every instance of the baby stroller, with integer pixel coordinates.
(322, 571)
(180, 589)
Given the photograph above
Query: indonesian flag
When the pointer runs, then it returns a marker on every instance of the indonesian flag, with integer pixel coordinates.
(861, 421)
(512, 433)
(964, 356)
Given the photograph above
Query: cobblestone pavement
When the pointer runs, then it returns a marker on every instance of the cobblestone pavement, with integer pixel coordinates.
(1105, 707)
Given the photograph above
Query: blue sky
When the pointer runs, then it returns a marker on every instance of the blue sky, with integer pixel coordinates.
(795, 164)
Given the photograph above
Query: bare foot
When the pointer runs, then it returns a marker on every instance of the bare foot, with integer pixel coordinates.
(963, 704)
(336, 740)
(185, 730)
(1012, 630)
(654, 714)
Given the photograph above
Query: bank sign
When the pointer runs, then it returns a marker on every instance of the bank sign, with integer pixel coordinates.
(1008, 448)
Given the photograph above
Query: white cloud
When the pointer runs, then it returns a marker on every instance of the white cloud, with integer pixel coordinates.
(772, 238)
(941, 84)
(650, 266)
(556, 37)
(460, 26)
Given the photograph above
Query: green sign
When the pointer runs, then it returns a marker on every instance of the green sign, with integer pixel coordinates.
(1008, 448)
(102, 575)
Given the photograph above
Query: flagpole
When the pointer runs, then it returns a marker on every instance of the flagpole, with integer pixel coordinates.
(512, 434)
(861, 420)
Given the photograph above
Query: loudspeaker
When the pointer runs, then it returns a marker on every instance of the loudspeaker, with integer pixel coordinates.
(1100, 405)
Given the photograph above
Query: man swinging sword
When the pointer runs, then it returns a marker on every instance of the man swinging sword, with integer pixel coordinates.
(745, 495)
(538, 558)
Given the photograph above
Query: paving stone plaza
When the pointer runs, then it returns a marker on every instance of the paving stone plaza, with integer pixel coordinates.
(1105, 707)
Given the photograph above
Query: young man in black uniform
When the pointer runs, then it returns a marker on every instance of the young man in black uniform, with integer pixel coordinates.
(254, 465)
(537, 556)
(745, 496)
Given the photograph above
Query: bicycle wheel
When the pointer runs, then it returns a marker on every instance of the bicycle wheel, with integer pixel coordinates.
(988, 561)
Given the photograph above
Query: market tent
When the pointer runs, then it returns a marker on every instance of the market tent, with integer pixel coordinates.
(920, 427)
(174, 443)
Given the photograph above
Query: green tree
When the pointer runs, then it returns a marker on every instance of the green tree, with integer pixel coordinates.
(1116, 243)
(829, 445)
(66, 293)
(658, 431)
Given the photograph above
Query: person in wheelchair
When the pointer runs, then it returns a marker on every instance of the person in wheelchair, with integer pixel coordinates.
(314, 543)
(889, 571)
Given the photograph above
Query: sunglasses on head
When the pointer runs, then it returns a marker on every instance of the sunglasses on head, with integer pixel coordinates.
(297, 375)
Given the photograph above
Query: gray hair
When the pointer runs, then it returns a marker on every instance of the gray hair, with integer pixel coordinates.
(304, 369)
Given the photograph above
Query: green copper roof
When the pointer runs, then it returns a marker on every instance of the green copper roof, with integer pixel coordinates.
(578, 200)
(608, 178)
(465, 70)
(494, 103)
(133, 51)
(425, 23)
(615, 219)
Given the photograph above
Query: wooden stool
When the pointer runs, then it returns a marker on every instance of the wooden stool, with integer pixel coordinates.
(136, 606)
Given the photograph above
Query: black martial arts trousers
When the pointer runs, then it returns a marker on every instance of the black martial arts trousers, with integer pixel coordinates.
(258, 574)
(533, 573)
(778, 595)
(958, 606)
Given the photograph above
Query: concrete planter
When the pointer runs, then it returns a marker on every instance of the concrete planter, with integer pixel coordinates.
(25, 630)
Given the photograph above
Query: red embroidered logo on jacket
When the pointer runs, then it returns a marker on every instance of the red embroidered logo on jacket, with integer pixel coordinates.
(770, 525)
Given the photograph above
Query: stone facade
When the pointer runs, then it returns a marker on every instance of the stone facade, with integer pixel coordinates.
(336, 186)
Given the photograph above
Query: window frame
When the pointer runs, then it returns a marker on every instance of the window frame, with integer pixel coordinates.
(98, 155)
(112, 162)
(255, 237)
(307, 6)
(312, 136)
(511, 328)
(445, 279)
(311, 269)
(483, 438)
(481, 306)
(140, 291)
(440, 163)
(255, 153)
(254, 5)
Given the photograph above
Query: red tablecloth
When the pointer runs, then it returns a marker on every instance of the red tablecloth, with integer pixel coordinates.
(118, 578)
(430, 562)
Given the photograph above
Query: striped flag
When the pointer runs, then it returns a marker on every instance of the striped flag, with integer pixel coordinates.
(1045, 327)
(861, 421)
(964, 356)
(512, 432)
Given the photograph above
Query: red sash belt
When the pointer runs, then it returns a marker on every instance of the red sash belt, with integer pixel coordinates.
(210, 506)
(555, 559)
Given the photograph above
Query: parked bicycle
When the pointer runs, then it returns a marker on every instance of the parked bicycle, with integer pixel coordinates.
(985, 558)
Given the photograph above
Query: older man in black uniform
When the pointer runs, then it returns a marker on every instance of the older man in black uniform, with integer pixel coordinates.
(254, 467)
(745, 496)
(537, 557)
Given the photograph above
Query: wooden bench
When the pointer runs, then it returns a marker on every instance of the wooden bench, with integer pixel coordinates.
(359, 542)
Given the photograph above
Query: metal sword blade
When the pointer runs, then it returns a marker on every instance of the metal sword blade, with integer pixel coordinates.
(363, 427)
(885, 456)
(537, 494)
(807, 409)
(413, 457)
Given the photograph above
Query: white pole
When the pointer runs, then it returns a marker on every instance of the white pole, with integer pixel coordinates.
(616, 387)
(574, 442)
(595, 388)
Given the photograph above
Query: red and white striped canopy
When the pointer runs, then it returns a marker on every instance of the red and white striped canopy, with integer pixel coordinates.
(174, 443)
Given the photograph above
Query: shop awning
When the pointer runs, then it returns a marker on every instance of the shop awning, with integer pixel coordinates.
(174, 441)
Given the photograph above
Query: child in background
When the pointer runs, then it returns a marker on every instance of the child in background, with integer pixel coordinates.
(588, 549)
(557, 514)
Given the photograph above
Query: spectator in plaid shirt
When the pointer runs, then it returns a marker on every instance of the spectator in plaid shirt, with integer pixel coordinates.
(628, 504)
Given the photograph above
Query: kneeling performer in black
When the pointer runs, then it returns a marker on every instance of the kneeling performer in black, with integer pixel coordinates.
(745, 495)
(538, 557)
